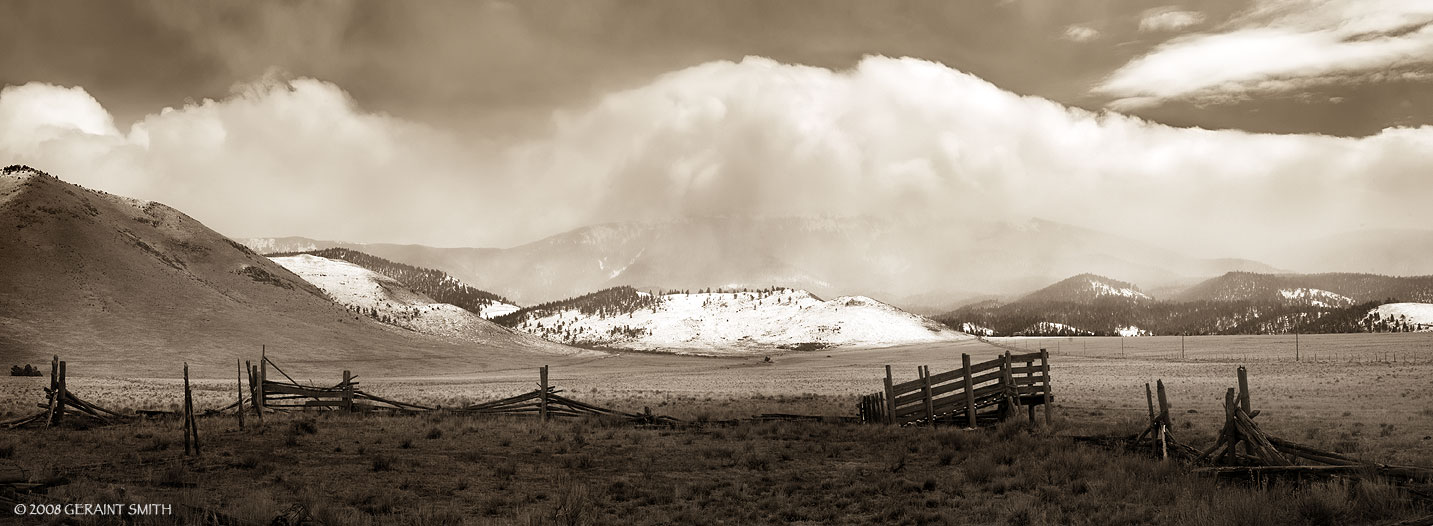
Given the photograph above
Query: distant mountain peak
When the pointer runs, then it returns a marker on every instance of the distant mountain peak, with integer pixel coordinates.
(1087, 288)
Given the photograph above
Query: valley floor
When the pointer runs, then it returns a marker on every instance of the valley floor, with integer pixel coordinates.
(438, 469)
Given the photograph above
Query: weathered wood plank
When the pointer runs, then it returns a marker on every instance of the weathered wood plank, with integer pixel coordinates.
(273, 389)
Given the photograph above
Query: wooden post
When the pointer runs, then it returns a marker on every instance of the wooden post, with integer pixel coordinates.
(239, 386)
(54, 390)
(188, 411)
(1296, 346)
(1163, 401)
(969, 391)
(1149, 398)
(1244, 403)
(880, 407)
(1244, 390)
(1030, 383)
(1230, 430)
(60, 396)
(263, 377)
(1163, 418)
(255, 398)
(542, 373)
(347, 391)
(925, 390)
(1006, 378)
(1048, 396)
(890, 399)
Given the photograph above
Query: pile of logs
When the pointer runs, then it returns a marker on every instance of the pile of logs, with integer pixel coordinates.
(59, 401)
(1245, 451)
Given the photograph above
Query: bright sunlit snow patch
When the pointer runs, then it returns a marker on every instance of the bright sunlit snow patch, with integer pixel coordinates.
(383, 298)
(744, 322)
(1105, 289)
(1315, 297)
(1131, 331)
(1414, 316)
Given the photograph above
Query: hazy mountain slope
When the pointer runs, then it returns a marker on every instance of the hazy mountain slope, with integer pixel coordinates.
(922, 264)
(1310, 288)
(726, 322)
(1398, 252)
(1236, 303)
(390, 301)
(1086, 288)
(126, 287)
(435, 284)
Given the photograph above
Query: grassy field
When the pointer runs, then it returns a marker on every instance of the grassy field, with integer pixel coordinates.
(1412, 347)
(447, 469)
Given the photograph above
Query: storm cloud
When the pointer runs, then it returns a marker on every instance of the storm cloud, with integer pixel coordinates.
(889, 137)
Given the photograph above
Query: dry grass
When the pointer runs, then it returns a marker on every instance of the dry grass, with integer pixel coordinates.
(453, 469)
(396, 470)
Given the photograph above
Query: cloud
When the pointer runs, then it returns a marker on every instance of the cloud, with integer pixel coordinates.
(36, 113)
(1282, 46)
(889, 137)
(1079, 33)
(1162, 19)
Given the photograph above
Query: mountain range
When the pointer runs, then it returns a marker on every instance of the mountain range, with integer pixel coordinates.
(134, 288)
(1235, 303)
(922, 267)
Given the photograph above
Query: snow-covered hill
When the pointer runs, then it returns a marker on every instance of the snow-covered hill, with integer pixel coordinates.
(729, 322)
(1401, 317)
(1086, 289)
(383, 298)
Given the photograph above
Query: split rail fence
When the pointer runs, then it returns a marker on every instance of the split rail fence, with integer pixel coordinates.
(284, 395)
(974, 394)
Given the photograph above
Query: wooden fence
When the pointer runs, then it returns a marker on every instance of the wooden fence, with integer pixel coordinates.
(977, 393)
(344, 396)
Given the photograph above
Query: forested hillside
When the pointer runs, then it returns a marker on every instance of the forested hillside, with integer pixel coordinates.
(435, 284)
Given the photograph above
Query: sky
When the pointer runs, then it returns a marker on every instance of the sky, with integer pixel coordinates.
(1212, 127)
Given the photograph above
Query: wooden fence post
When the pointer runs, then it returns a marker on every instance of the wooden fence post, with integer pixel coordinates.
(255, 399)
(1149, 398)
(925, 392)
(347, 391)
(1045, 370)
(969, 391)
(542, 373)
(1244, 390)
(890, 399)
(1244, 402)
(1163, 418)
(1030, 384)
(239, 386)
(54, 390)
(263, 377)
(60, 395)
(188, 412)
(1008, 380)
